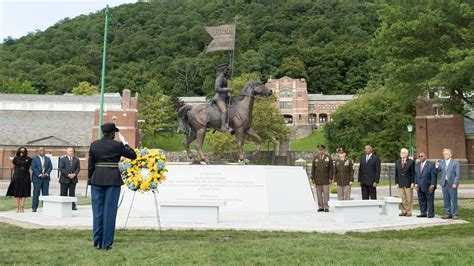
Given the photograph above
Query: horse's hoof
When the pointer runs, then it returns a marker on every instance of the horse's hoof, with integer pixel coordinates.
(244, 162)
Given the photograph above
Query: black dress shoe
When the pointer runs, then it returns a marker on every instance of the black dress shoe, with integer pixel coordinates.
(326, 210)
(320, 210)
(34, 210)
(97, 247)
(74, 208)
(421, 216)
(107, 248)
(430, 216)
(447, 217)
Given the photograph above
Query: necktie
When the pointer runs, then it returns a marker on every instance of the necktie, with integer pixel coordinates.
(403, 163)
(367, 159)
(421, 167)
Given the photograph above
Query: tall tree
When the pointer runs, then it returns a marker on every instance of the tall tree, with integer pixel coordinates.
(425, 45)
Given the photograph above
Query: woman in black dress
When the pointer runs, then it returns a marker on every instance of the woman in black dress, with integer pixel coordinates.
(20, 185)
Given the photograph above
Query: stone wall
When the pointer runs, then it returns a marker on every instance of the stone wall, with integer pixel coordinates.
(300, 131)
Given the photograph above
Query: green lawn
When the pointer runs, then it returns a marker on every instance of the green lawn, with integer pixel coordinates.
(174, 143)
(8, 203)
(441, 245)
(309, 143)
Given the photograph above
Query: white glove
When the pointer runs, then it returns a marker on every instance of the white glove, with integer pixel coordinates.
(122, 139)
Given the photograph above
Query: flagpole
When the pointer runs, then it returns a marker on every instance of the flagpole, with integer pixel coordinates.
(232, 67)
(102, 81)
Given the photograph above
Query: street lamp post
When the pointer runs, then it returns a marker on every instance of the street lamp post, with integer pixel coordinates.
(410, 132)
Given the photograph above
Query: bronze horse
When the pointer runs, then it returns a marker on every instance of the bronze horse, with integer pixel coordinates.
(195, 120)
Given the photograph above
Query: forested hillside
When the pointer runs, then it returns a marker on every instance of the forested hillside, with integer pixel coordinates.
(162, 45)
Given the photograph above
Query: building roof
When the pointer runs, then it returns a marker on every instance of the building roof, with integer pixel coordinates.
(321, 97)
(108, 97)
(66, 102)
(46, 128)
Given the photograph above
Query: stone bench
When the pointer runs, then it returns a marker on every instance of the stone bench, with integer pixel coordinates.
(57, 206)
(391, 206)
(353, 211)
(333, 196)
(206, 212)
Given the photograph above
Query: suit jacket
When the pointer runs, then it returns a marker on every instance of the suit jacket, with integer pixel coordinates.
(344, 172)
(453, 172)
(405, 176)
(427, 177)
(65, 168)
(107, 151)
(322, 170)
(369, 172)
(36, 169)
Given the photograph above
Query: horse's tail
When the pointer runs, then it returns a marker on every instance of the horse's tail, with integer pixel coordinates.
(183, 122)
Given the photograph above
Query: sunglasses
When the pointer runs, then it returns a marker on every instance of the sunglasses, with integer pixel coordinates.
(421, 156)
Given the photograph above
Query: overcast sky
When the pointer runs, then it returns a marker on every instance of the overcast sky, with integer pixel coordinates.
(19, 17)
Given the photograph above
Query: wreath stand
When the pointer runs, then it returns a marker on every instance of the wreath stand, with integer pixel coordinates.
(155, 192)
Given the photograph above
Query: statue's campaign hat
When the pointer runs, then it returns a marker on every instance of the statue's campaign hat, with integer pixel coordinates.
(109, 127)
(321, 146)
(221, 66)
(341, 150)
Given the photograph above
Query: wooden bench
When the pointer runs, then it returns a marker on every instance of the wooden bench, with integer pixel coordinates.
(391, 206)
(206, 212)
(57, 206)
(353, 211)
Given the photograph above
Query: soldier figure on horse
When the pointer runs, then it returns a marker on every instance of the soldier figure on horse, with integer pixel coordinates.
(222, 95)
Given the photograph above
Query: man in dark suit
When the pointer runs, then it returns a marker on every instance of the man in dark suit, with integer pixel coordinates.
(69, 167)
(41, 168)
(322, 174)
(369, 174)
(105, 180)
(405, 181)
(425, 185)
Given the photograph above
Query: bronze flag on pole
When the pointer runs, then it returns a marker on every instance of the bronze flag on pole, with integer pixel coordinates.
(223, 38)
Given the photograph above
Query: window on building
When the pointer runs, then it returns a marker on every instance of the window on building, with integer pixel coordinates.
(332, 106)
(310, 107)
(322, 106)
(286, 93)
(438, 110)
(323, 118)
(285, 105)
(300, 95)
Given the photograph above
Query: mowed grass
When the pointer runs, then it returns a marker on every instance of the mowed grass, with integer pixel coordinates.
(173, 142)
(440, 245)
(8, 203)
(309, 143)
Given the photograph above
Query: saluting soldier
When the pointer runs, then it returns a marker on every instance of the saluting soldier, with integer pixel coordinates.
(322, 174)
(105, 181)
(344, 175)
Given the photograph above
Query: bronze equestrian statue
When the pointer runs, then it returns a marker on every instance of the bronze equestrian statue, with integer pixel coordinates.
(195, 120)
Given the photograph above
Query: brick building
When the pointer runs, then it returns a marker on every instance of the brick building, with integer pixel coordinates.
(59, 121)
(300, 108)
(437, 129)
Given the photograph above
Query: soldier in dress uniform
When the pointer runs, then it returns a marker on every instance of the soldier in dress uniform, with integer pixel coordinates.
(344, 175)
(222, 94)
(105, 181)
(322, 174)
